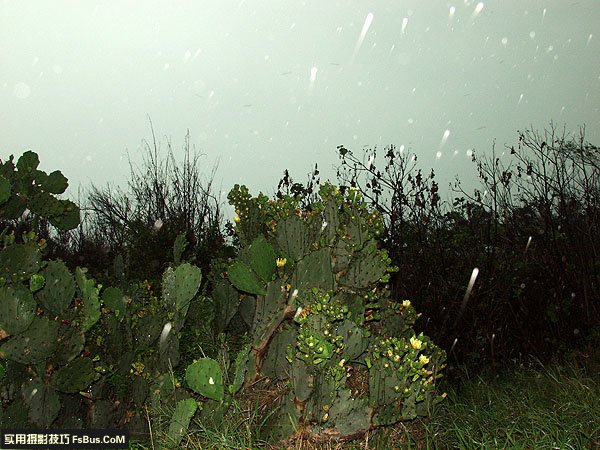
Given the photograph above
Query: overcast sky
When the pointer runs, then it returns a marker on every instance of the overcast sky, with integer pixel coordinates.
(267, 85)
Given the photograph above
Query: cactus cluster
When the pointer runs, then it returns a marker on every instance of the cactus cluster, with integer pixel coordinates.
(70, 348)
(321, 311)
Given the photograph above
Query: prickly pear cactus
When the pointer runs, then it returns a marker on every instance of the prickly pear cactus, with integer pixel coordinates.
(323, 318)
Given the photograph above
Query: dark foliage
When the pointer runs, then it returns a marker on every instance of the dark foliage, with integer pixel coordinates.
(531, 231)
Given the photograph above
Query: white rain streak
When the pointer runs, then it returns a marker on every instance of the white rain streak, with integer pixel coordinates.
(477, 9)
(363, 33)
(165, 331)
(158, 223)
(468, 291)
(451, 12)
(313, 77)
(404, 24)
(532, 34)
(504, 41)
(589, 39)
(520, 99)
(528, 244)
(22, 90)
(444, 138)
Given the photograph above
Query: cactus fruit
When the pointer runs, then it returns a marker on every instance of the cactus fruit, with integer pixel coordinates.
(180, 421)
(58, 292)
(17, 309)
(205, 378)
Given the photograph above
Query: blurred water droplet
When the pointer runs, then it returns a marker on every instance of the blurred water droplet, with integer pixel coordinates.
(477, 9)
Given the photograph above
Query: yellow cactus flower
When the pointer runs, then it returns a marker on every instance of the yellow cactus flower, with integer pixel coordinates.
(423, 359)
(416, 344)
(281, 262)
(406, 303)
(237, 219)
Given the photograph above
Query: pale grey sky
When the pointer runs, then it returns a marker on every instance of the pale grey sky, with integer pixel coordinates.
(268, 85)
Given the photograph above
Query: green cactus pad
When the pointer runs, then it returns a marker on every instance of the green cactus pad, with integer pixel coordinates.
(115, 299)
(205, 378)
(59, 290)
(5, 189)
(69, 218)
(314, 271)
(180, 287)
(226, 300)
(54, 183)
(72, 342)
(42, 401)
(261, 257)
(276, 365)
(293, 237)
(34, 345)
(75, 376)
(180, 421)
(243, 278)
(349, 414)
(18, 262)
(17, 309)
(91, 302)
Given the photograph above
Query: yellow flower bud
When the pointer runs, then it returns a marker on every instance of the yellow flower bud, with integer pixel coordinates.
(416, 344)
(281, 262)
(237, 219)
(423, 359)
(406, 303)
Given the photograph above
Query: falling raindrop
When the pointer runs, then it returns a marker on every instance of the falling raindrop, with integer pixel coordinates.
(404, 24)
(444, 138)
(451, 13)
(504, 41)
(520, 99)
(528, 243)
(477, 9)
(589, 39)
(158, 223)
(363, 33)
(532, 34)
(165, 331)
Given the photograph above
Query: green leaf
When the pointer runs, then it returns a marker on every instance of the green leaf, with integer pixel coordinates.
(244, 279)
(75, 376)
(263, 258)
(91, 302)
(27, 164)
(5, 189)
(180, 421)
(113, 298)
(34, 345)
(17, 309)
(59, 291)
(205, 378)
(42, 400)
(55, 183)
(69, 219)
